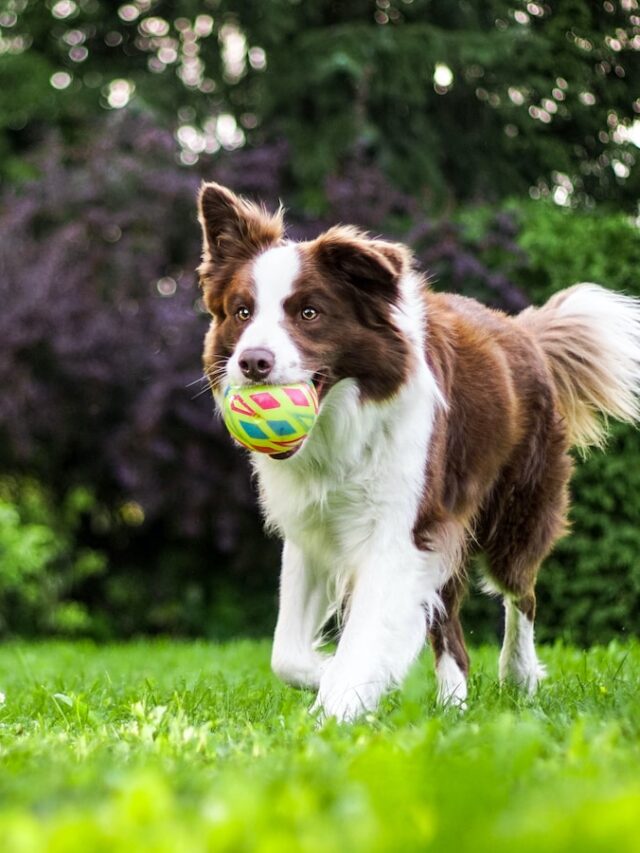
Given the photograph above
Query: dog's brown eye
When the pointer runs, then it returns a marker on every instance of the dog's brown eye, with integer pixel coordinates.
(308, 313)
(243, 314)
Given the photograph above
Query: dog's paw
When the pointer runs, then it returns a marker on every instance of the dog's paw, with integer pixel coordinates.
(304, 671)
(526, 678)
(453, 695)
(345, 698)
(452, 684)
(533, 679)
(344, 709)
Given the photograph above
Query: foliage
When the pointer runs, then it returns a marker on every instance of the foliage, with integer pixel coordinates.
(100, 354)
(354, 112)
(564, 247)
(39, 562)
(453, 100)
(162, 746)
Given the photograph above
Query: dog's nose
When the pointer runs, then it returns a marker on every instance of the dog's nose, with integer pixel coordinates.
(256, 363)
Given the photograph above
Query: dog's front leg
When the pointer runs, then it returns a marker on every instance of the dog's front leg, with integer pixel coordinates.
(383, 634)
(303, 610)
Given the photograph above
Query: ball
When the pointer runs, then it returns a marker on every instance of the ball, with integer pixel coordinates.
(272, 419)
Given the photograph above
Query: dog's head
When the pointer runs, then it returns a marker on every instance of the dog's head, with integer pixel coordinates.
(285, 312)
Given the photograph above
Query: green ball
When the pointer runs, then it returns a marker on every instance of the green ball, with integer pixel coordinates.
(272, 419)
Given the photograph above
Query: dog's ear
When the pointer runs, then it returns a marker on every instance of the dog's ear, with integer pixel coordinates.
(234, 228)
(371, 266)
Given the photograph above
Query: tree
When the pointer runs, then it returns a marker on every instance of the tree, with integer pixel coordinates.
(453, 100)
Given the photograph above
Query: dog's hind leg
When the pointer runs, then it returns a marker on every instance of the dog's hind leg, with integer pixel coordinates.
(304, 607)
(518, 658)
(530, 520)
(515, 580)
(518, 662)
(447, 641)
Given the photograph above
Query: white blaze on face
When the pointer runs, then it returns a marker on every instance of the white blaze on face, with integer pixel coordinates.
(274, 273)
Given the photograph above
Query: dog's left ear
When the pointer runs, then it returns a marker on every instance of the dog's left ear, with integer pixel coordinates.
(234, 228)
(371, 266)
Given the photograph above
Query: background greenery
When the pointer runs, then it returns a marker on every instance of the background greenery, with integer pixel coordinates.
(496, 138)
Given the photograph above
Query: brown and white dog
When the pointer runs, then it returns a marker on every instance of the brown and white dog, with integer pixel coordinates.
(444, 429)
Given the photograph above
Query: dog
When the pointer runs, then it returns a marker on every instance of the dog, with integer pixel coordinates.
(444, 430)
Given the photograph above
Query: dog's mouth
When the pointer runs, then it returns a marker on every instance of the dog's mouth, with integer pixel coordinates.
(320, 384)
(287, 455)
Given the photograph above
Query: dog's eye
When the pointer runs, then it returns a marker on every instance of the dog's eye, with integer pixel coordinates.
(308, 313)
(243, 314)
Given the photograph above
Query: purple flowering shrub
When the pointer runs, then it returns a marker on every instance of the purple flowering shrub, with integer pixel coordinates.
(99, 334)
(101, 331)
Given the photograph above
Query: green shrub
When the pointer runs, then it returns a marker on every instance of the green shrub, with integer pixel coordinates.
(40, 563)
(564, 247)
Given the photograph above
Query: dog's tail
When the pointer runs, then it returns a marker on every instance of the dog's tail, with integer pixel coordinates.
(591, 339)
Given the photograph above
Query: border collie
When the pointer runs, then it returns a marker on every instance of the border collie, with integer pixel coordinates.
(444, 429)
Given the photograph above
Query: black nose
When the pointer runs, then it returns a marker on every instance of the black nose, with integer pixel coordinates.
(256, 363)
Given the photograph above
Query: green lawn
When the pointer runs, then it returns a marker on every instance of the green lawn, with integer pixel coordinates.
(170, 746)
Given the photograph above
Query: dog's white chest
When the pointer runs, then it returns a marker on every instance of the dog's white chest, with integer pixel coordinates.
(326, 516)
(359, 476)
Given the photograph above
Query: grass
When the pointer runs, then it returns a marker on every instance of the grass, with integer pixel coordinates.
(166, 746)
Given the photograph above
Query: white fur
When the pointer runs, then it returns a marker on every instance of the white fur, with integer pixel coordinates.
(303, 611)
(409, 314)
(615, 321)
(591, 339)
(518, 659)
(274, 273)
(346, 504)
(452, 682)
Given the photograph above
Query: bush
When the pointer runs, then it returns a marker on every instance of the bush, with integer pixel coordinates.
(40, 562)
(563, 247)
(100, 340)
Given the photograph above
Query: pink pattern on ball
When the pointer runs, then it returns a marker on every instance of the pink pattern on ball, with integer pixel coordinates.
(296, 396)
(265, 400)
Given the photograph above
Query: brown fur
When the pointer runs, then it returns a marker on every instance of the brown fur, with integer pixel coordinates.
(446, 634)
(498, 464)
(355, 312)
